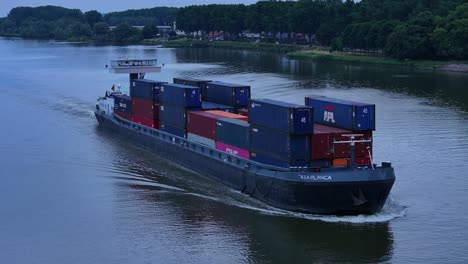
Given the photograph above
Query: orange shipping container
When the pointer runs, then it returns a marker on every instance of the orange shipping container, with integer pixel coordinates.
(340, 162)
(228, 115)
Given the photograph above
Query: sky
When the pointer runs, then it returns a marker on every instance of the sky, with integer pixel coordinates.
(105, 6)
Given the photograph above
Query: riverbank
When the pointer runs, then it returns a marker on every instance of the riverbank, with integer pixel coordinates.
(302, 52)
(456, 66)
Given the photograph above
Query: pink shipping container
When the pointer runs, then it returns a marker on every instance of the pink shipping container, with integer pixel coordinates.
(233, 150)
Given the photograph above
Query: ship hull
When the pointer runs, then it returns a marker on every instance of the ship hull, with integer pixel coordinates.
(341, 192)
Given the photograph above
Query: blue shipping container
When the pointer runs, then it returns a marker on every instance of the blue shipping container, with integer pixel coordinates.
(273, 161)
(146, 89)
(213, 106)
(228, 94)
(283, 146)
(175, 115)
(200, 83)
(123, 103)
(342, 113)
(179, 94)
(233, 132)
(177, 131)
(290, 118)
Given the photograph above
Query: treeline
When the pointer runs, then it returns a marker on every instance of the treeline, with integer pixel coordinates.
(53, 22)
(404, 29)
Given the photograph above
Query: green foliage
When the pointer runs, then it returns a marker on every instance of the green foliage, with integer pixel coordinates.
(404, 29)
(149, 31)
(450, 38)
(412, 40)
(92, 17)
(124, 33)
(147, 16)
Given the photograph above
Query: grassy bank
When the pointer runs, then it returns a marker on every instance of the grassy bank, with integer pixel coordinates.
(345, 57)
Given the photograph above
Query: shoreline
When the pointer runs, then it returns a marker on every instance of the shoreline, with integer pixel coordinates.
(448, 66)
(295, 52)
(301, 52)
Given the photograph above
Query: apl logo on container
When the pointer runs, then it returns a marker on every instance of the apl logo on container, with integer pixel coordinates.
(328, 115)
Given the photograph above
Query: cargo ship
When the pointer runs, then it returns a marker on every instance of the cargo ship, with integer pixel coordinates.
(314, 158)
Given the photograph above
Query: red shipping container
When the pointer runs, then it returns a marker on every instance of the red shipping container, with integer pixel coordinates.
(243, 111)
(323, 147)
(228, 115)
(233, 150)
(202, 123)
(362, 161)
(124, 115)
(143, 108)
(143, 121)
(320, 145)
(360, 150)
(156, 106)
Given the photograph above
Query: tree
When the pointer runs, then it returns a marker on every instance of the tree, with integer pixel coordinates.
(149, 31)
(126, 33)
(412, 40)
(92, 17)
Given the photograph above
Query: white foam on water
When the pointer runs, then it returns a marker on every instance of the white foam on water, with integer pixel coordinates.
(390, 211)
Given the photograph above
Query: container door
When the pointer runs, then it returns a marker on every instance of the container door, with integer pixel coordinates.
(365, 117)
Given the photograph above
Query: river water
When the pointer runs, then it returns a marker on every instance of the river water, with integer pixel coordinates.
(71, 192)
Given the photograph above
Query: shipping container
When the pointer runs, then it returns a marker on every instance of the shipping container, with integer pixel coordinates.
(124, 115)
(146, 89)
(279, 144)
(143, 107)
(233, 132)
(343, 162)
(156, 107)
(201, 140)
(202, 123)
(342, 113)
(265, 158)
(287, 117)
(175, 115)
(233, 150)
(362, 161)
(194, 82)
(323, 146)
(228, 94)
(228, 115)
(243, 111)
(321, 163)
(177, 131)
(213, 106)
(123, 103)
(179, 94)
(143, 121)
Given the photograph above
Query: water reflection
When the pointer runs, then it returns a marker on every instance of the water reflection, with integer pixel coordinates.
(441, 88)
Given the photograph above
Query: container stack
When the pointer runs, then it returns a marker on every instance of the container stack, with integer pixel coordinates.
(280, 133)
(234, 95)
(201, 126)
(233, 137)
(175, 101)
(336, 119)
(145, 99)
(213, 106)
(123, 106)
(200, 83)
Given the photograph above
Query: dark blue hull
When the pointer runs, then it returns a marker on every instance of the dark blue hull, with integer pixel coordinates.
(333, 191)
